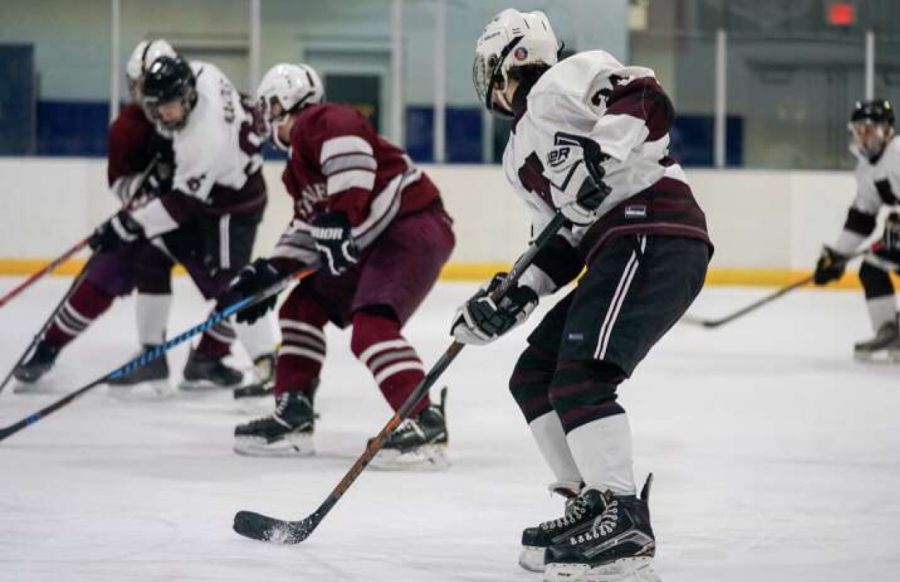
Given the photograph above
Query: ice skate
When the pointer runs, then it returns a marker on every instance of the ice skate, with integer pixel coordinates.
(286, 432)
(202, 372)
(155, 373)
(418, 443)
(535, 540)
(263, 379)
(885, 345)
(618, 545)
(40, 362)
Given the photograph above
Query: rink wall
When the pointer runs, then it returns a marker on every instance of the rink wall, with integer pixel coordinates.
(768, 226)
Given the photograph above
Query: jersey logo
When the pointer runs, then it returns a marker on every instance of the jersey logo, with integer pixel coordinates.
(558, 156)
(194, 183)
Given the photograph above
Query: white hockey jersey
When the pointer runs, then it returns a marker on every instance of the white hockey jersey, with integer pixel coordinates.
(217, 158)
(877, 184)
(624, 111)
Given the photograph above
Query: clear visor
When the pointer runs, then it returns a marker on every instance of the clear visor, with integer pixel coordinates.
(869, 137)
(273, 115)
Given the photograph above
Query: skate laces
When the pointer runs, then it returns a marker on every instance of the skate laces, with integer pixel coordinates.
(574, 511)
(604, 524)
(409, 426)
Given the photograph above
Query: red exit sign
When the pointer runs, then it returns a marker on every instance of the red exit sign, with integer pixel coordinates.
(841, 14)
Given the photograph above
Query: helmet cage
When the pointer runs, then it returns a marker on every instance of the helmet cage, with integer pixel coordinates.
(869, 136)
(488, 75)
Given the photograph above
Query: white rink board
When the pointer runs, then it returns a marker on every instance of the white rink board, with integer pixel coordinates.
(777, 458)
(757, 219)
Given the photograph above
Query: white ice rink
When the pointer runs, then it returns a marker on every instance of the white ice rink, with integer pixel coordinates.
(777, 458)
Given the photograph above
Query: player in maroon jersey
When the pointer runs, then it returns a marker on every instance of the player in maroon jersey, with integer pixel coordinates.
(375, 226)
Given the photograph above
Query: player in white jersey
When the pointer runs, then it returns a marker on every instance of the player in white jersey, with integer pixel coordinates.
(208, 220)
(590, 139)
(877, 185)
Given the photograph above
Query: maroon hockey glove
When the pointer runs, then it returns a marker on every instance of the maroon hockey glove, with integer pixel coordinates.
(334, 242)
(116, 232)
(830, 266)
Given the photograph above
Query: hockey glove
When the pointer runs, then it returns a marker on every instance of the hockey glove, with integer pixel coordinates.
(891, 235)
(830, 266)
(480, 321)
(253, 278)
(334, 242)
(116, 232)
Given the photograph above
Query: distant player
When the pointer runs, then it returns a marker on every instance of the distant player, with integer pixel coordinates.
(133, 146)
(590, 138)
(208, 219)
(877, 184)
(374, 225)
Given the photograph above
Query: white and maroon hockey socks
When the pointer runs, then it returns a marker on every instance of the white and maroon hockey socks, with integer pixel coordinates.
(393, 362)
(85, 305)
(602, 450)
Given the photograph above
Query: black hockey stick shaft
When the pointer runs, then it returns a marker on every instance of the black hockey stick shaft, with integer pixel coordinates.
(13, 293)
(260, 527)
(148, 356)
(77, 281)
(713, 323)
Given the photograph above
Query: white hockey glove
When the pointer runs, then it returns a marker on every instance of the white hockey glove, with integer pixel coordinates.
(576, 177)
(480, 321)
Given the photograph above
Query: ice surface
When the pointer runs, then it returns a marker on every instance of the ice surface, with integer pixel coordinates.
(777, 458)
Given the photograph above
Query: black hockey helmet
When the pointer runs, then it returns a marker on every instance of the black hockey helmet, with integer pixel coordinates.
(168, 80)
(874, 111)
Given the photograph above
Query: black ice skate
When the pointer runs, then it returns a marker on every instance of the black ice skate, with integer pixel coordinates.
(38, 364)
(156, 372)
(886, 342)
(202, 372)
(286, 432)
(537, 539)
(618, 546)
(264, 379)
(419, 442)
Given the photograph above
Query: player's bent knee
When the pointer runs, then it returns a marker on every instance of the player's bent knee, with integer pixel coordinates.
(875, 281)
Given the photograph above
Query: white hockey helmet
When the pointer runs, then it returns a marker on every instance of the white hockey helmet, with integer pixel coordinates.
(511, 39)
(143, 56)
(285, 89)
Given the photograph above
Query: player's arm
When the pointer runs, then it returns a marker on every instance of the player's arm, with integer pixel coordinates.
(344, 147)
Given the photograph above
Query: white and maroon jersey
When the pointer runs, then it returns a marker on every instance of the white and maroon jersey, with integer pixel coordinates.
(339, 163)
(217, 159)
(877, 184)
(624, 111)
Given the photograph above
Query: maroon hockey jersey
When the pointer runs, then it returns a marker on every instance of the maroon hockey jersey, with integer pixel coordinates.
(133, 142)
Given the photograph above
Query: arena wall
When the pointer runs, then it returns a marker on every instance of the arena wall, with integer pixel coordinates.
(768, 226)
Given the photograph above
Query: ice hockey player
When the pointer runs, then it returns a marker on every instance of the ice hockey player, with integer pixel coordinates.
(375, 226)
(589, 139)
(877, 184)
(133, 146)
(208, 219)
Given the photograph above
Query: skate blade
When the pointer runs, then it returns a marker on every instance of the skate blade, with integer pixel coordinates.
(292, 445)
(424, 458)
(532, 558)
(624, 570)
(881, 357)
(37, 387)
(203, 386)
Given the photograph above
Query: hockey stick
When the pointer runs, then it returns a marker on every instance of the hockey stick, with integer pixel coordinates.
(77, 247)
(263, 528)
(151, 355)
(713, 323)
(77, 281)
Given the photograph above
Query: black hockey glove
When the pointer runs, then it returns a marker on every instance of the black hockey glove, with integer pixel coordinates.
(891, 235)
(830, 266)
(159, 181)
(592, 190)
(115, 233)
(480, 321)
(334, 242)
(255, 277)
